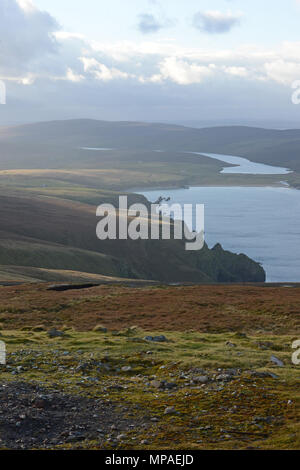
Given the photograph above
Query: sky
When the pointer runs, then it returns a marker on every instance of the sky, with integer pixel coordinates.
(194, 62)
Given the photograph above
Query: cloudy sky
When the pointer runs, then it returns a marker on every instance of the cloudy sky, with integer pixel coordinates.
(186, 61)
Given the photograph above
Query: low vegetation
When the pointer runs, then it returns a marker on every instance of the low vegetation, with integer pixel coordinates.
(115, 367)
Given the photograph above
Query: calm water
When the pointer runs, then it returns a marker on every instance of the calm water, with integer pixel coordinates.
(263, 223)
(244, 166)
(97, 149)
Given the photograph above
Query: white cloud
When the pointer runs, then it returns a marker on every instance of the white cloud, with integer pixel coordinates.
(161, 61)
(237, 71)
(183, 72)
(26, 5)
(282, 71)
(101, 71)
(73, 77)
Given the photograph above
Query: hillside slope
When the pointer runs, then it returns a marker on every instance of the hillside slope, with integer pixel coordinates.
(59, 234)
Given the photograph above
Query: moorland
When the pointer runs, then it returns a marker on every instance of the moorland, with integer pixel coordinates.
(159, 349)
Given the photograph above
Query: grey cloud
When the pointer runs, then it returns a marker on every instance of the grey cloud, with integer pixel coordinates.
(132, 101)
(149, 24)
(26, 34)
(215, 22)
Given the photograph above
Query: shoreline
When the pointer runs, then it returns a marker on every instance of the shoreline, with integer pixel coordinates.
(283, 185)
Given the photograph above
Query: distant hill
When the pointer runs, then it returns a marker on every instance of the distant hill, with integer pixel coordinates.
(57, 143)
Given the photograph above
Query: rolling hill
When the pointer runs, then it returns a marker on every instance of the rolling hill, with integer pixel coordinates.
(30, 142)
(59, 234)
(50, 186)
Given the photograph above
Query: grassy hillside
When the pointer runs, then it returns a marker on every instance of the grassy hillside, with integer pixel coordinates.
(56, 233)
(21, 274)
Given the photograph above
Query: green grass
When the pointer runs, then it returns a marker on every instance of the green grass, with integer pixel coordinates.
(52, 363)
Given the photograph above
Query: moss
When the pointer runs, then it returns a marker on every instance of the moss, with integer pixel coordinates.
(236, 416)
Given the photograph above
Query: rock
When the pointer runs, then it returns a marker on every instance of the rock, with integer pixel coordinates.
(233, 372)
(277, 361)
(54, 333)
(76, 437)
(230, 345)
(202, 379)
(160, 339)
(163, 384)
(126, 369)
(144, 442)
(157, 339)
(156, 383)
(170, 410)
(273, 376)
(170, 385)
(263, 375)
(100, 329)
(224, 378)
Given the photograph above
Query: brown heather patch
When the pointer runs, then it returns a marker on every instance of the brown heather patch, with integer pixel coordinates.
(212, 308)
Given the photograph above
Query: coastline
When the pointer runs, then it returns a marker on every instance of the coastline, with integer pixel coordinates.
(280, 184)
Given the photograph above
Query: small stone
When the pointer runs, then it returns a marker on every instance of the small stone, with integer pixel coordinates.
(100, 329)
(157, 339)
(144, 442)
(160, 339)
(224, 377)
(169, 410)
(277, 361)
(170, 385)
(263, 375)
(156, 383)
(54, 333)
(126, 369)
(230, 345)
(202, 379)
